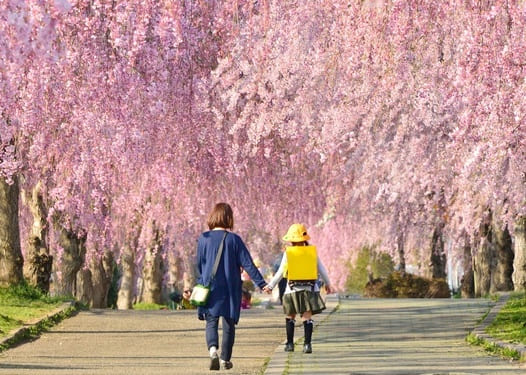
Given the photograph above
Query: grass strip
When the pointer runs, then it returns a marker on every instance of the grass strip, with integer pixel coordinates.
(33, 331)
(492, 348)
(510, 323)
(25, 313)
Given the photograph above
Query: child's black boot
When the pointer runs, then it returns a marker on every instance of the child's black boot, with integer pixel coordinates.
(289, 325)
(308, 325)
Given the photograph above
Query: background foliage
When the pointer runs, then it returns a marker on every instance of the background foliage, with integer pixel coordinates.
(369, 265)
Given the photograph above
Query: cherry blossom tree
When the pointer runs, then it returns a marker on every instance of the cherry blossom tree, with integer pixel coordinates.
(370, 122)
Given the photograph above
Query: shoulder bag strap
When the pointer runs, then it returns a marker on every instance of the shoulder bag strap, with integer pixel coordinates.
(218, 258)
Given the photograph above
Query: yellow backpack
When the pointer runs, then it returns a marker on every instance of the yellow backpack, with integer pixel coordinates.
(302, 263)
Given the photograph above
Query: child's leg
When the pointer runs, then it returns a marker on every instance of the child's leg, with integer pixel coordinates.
(308, 326)
(289, 325)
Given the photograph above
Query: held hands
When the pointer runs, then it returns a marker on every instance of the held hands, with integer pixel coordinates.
(267, 289)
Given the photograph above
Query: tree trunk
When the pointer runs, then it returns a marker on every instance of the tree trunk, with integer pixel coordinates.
(467, 289)
(175, 272)
(43, 268)
(74, 246)
(38, 264)
(127, 285)
(101, 277)
(519, 262)
(84, 286)
(501, 274)
(438, 255)
(484, 260)
(93, 283)
(175, 276)
(401, 252)
(190, 273)
(127, 290)
(11, 260)
(153, 270)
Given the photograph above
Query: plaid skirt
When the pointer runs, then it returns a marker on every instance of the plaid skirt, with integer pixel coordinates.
(300, 301)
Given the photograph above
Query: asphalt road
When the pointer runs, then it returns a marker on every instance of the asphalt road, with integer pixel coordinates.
(354, 336)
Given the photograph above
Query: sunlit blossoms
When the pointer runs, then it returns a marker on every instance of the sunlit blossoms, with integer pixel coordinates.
(370, 122)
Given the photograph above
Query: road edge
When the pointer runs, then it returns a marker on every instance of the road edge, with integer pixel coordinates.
(480, 330)
(33, 328)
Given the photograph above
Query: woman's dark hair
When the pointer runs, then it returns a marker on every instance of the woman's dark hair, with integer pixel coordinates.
(221, 216)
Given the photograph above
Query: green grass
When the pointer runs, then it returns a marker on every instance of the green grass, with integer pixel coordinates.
(509, 326)
(510, 323)
(493, 348)
(22, 304)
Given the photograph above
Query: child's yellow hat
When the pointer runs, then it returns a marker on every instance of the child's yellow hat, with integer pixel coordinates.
(296, 233)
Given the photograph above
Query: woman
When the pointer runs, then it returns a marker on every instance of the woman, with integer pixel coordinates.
(225, 289)
(302, 293)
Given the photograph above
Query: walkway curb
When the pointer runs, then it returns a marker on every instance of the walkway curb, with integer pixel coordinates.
(480, 330)
(21, 334)
(278, 362)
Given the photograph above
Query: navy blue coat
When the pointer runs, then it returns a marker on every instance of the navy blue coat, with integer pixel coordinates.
(225, 290)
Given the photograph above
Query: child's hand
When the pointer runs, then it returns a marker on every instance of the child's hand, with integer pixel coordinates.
(267, 289)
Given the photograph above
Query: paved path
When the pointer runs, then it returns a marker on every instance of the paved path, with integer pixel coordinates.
(396, 336)
(104, 342)
(369, 336)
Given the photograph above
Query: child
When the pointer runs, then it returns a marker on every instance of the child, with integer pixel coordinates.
(301, 265)
(246, 299)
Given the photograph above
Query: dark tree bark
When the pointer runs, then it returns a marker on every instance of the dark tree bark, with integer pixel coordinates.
(501, 274)
(38, 259)
(438, 256)
(74, 245)
(467, 289)
(11, 260)
(42, 268)
(101, 277)
(484, 259)
(93, 283)
(84, 286)
(401, 252)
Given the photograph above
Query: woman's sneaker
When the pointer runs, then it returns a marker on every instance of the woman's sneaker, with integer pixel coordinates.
(289, 347)
(226, 365)
(307, 348)
(214, 361)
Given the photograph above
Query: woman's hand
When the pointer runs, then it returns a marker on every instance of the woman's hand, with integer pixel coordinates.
(328, 289)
